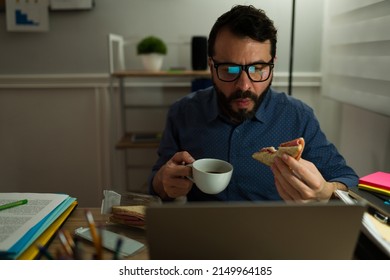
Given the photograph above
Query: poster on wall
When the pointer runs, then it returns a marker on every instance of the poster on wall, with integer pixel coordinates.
(27, 15)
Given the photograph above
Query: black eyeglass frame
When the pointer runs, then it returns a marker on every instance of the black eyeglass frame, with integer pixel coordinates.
(243, 68)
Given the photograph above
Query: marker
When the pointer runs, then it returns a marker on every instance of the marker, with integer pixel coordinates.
(13, 204)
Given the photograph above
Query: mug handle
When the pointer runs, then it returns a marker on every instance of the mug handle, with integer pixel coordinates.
(190, 177)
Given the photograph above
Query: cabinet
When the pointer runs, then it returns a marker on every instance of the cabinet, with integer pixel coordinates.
(144, 98)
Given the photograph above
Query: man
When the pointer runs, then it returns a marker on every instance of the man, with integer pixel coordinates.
(239, 115)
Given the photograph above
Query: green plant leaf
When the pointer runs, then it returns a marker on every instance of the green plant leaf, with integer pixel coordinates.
(151, 44)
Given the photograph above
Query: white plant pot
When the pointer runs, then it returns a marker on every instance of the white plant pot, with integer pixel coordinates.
(152, 62)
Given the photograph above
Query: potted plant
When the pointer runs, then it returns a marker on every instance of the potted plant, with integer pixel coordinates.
(152, 51)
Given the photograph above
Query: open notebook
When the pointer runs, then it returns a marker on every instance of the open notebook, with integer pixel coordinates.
(253, 230)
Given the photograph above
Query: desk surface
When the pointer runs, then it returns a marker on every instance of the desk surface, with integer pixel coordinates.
(77, 219)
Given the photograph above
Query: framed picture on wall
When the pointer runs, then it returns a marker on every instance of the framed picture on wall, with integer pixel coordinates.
(24, 15)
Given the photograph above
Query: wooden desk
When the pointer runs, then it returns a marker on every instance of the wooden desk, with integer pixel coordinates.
(77, 219)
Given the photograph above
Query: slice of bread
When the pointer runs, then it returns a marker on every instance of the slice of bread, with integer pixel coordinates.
(131, 215)
(293, 148)
(129, 210)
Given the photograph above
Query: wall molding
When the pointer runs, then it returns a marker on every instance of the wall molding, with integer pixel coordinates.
(55, 81)
(99, 80)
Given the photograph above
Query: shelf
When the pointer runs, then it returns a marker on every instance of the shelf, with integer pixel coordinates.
(147, 106)
(139, 140)
(172, 73)
(138, 82)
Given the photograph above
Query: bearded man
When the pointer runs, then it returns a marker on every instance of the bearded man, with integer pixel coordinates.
(239, 115)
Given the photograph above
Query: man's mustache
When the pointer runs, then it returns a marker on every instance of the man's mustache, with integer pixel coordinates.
(242, 94)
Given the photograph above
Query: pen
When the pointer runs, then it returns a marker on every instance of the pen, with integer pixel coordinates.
(76, 250)
(119, 242)
(43, 251)
(95, 237)
(13, 204)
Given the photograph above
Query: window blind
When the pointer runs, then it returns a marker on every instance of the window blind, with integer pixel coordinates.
(356, 53)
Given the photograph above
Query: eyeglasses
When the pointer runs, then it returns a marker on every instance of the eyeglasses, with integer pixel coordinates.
(257, 72)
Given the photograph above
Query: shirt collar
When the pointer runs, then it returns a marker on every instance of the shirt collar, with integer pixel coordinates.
(261, 114)
(212, 110)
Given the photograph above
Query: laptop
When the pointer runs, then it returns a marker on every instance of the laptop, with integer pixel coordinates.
(249, 230)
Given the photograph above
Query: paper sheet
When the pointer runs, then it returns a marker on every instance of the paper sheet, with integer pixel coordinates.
(18, 221)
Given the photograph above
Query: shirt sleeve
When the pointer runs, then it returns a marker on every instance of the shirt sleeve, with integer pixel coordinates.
(168, 146)
(325, 155)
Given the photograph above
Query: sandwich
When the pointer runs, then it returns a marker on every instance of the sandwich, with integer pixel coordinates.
(293, 148)
(131, 215)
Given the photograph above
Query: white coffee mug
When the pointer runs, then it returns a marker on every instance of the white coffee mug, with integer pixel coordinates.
(211, 175)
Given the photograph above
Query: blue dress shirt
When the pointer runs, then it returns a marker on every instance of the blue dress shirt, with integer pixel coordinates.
(195, 124)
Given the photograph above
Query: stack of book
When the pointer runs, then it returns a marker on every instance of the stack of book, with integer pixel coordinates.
(378, 182)
(374, 191)
(30, 221)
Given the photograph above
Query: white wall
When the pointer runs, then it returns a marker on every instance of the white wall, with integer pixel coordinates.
(355, 64)
(365, 139)
(77, 40)
(54, 138)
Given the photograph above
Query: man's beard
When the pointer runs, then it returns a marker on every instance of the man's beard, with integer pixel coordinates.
(242, 114)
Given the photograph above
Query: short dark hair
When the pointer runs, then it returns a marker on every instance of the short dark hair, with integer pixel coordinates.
(245, 21)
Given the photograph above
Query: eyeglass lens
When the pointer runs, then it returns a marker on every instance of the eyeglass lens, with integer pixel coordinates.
(256, 72)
